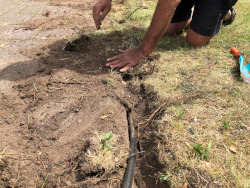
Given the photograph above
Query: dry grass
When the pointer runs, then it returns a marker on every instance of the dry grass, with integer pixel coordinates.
(104, 158)
(212, 71)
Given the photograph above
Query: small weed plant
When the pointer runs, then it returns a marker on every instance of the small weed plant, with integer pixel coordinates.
(105, 140)
(181, 113)
(225, 124)
(235, 92)
(201, 151)
(164, 178)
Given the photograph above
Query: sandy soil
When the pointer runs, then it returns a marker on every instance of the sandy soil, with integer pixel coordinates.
(55, 95)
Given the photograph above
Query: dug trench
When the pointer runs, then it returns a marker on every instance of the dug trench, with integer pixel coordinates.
(61, 105)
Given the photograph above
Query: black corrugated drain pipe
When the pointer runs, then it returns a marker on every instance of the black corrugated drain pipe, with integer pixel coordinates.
(129, 174)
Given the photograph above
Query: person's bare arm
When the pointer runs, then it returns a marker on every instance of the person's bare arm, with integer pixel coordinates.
(163, 14)
(160, 21)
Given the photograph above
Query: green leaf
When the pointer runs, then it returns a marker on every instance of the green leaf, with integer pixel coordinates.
(105, 141)
(235, 92)
(209, 145)
(108, 135)
(165, 178)
(200, 151)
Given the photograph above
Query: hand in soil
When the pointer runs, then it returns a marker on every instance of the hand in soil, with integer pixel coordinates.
(100, 10)
(128, 59)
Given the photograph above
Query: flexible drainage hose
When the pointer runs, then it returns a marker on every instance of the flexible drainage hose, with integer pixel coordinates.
(129, 174)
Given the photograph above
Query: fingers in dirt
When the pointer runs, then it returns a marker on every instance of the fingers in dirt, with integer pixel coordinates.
(115, 58)
(124, 69)
(115, 62)
(123, 51)
(121, 64)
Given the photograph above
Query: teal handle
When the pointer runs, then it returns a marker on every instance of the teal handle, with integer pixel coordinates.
(245, 70)
(241, 61)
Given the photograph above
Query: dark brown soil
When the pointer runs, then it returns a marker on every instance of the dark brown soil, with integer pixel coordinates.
(56, 104)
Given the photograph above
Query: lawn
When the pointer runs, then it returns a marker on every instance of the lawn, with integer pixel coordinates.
(204, 127)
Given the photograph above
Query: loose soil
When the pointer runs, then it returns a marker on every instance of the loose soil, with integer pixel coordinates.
(58, 102)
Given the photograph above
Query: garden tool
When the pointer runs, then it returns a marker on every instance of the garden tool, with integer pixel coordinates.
(244, 70)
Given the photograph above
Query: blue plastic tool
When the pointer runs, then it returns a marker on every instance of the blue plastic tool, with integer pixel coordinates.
(244, 70)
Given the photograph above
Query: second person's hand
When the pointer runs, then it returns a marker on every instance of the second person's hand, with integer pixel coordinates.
(100, 10)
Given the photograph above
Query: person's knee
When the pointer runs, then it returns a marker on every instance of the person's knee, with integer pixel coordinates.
(177, 28)
(196, 39)
(172, 30)
(197, 43)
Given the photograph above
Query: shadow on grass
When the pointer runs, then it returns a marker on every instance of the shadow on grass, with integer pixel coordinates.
(235, 71)
(85, 55)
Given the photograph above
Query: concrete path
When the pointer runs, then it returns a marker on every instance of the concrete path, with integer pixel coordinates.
(15, 37)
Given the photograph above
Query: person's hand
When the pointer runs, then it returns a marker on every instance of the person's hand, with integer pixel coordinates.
(100, 10)
(128, 58)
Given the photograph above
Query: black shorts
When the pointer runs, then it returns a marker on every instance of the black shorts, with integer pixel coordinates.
(207, 15)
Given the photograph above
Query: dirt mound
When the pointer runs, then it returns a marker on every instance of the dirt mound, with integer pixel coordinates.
(55, 111)
(78, 45)
(62, 104)
(51, 121)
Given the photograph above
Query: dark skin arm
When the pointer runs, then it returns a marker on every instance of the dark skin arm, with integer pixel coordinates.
(160, 21)
(163, 14)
